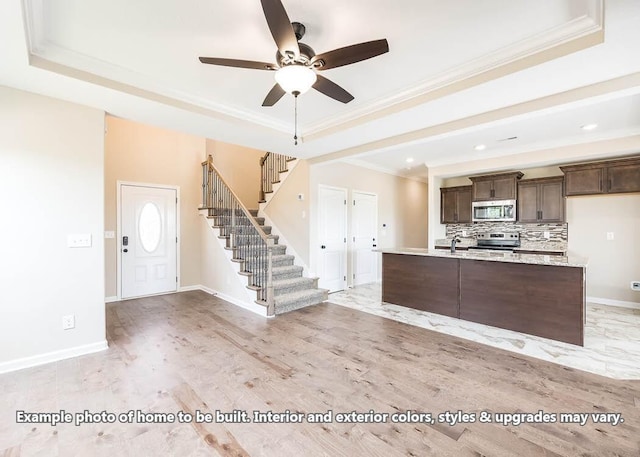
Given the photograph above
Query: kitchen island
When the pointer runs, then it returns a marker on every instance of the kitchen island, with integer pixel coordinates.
(530, 293)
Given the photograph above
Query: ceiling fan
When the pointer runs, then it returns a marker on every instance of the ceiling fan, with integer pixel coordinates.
(297, 63)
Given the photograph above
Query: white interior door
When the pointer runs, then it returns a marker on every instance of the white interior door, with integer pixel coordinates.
(148, 240)
(332, 235)
(364, 222)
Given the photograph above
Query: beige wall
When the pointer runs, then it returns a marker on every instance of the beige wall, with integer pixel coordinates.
(51, 186)
(612, 264)
(240, 168)
(402, 204)
(290, 216)
(144, 154)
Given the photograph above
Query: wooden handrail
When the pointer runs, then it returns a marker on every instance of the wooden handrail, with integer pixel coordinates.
(268, 241)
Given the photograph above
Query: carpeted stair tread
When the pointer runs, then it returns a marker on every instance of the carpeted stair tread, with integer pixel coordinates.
(287, 271)
(285, 286)
(300, 299)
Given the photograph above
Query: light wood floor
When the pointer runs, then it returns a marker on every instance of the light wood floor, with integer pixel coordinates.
(191, 351)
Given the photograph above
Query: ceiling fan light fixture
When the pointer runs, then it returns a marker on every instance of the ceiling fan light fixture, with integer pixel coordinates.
(296, 78)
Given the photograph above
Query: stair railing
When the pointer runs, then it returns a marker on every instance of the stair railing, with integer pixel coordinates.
(249, 243)
(270, 167)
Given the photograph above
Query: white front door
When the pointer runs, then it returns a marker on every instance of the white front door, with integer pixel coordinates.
(364, 229)
(332, 235)
(148, 241)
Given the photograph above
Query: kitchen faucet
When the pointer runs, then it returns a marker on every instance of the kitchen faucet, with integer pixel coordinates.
(453, 244)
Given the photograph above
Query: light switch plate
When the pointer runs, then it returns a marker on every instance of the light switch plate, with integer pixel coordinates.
(79, 240)
(610, 236)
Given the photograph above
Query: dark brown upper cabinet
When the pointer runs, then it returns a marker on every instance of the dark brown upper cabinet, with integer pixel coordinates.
(455, 205)
(603, 177)
(501, 186)
(541, 200)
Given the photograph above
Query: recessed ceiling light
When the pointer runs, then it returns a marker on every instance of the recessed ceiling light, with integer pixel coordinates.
(480, 147)
(410, 160)
(589, 126)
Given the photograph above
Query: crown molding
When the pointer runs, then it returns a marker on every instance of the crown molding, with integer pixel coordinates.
(578, 34)
(605, 89)
(49, 56)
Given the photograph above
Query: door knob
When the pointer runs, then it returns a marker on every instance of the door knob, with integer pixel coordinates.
(375, 245)
(125, 250)
(323, 247)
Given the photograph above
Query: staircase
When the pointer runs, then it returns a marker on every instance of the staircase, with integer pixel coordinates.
(279, 284)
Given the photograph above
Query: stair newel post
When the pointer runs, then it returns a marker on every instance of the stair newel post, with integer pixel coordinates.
(271, 172)
(204, 185)
(210, 187)
(263, 176)
(270, 296)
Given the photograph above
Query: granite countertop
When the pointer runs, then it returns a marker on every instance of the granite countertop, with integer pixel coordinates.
(549, 246)
(494, 256)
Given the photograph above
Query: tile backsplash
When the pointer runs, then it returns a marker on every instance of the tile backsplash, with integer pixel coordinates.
(528, 232)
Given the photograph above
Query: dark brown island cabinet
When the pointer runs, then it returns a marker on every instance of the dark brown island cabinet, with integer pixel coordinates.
(501, 186)
(541, 200)
(455, 205)
(542, 300)
(603, 177)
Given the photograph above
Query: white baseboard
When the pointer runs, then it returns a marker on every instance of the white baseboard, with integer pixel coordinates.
(33, 361)
(208, 290)
(111, 299)
(189, 288)
(609, 302)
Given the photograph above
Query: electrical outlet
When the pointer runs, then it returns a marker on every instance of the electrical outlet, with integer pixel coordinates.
(68, 322)
(464, 233)
(547, 235)
(610, 236)
(635, 285)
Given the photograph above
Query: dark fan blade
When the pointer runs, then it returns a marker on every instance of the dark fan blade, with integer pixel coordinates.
(331, 89)
(350, 54)
(280, 27)
(239, 63)
(273, 96)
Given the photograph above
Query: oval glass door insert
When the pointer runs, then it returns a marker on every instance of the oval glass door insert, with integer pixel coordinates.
(150, 227)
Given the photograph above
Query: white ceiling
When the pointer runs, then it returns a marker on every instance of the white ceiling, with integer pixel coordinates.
(458, 73)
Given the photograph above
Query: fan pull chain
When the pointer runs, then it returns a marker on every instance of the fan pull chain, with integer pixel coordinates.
(295, 111)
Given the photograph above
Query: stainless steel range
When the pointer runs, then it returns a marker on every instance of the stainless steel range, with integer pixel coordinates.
(498, 241)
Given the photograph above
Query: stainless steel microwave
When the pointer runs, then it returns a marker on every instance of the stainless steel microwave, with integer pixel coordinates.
(494, 211)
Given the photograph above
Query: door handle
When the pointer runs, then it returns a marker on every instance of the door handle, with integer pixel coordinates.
(125, 250)
(323, 247)
(375, 245)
